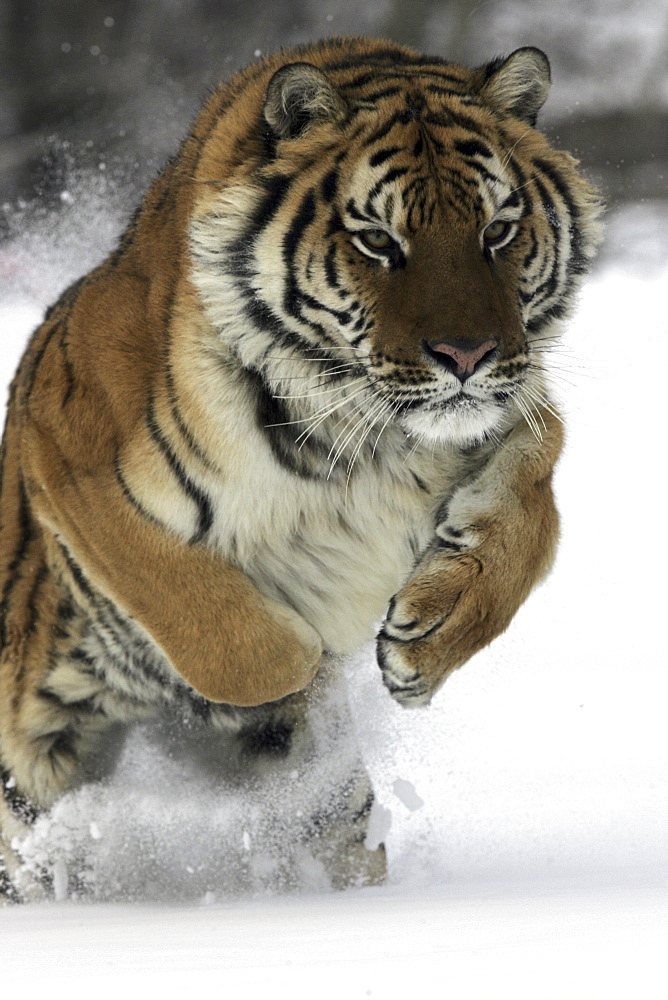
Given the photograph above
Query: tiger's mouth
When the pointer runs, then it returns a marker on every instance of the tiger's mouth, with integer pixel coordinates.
(464, 415)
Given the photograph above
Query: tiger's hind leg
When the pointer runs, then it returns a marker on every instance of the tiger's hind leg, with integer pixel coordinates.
(54, 709)
(304, 751)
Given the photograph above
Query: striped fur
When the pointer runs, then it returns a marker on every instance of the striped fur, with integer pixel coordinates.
(240, 440)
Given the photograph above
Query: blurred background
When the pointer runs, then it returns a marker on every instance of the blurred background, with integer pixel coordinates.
(113, 84)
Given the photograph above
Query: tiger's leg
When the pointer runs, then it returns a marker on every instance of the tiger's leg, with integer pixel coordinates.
(306, 746)
(496, 539)
(54, 708)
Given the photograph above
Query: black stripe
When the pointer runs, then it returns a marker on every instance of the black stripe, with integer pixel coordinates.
(533, 250)
(22, 807)
(294, 297)
(422, 68)
(175, 409)
(129, 495)
(548, 287)
(577, 261)
(80, 656)
(329, 263)
(276, 188)
(329, 186)
(520, 180)
(304, 217)
(118, 627)
(32, 603)
(433, 88)
(473, 147)
(375, 61)
(85, 705)
(334, 224)
(26, 535)
(7, 889)
(364, 811)
(273, 736)
(399, 118)
(237, 258)
(379, 95)
(482, 171)
(443, 543)
(382, 155)
(267, 321)
(191, 490)
(383, 634)
(273, 416)
(352, 210)
(388, 178)
(67, 364)
(78, 576)
(34, 359)
(183, 428)
(512, 201)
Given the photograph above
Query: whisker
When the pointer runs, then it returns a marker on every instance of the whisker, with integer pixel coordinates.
(539, 397)
(512, 149)
(306, 433)
(338, 451)
(326, 373)
(376, 407)
(305, 420)
(393, 412)
(552, 376)
(534, 405)
(320, 416)
(307, 356)
(525, 410)
(420, 441)
(371, 420)
(575, 370)
(322, 392)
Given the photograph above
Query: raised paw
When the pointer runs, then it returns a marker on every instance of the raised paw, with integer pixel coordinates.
(401, 629)
(446, 612)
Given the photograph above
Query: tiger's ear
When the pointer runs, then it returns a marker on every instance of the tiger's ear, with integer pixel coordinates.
(519, 84)
(298, 96)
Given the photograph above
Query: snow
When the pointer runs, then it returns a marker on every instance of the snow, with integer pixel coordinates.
(525, 811)
(478, 941)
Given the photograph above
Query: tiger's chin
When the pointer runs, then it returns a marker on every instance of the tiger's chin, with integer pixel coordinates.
(465, 422)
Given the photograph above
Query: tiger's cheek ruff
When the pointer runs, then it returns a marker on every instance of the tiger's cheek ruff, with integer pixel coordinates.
(222, 271)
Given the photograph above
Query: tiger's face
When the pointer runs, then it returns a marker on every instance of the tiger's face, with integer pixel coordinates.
(415, 261)
(417, 238)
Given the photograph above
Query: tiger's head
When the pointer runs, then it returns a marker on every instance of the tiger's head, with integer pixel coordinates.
(398, 222)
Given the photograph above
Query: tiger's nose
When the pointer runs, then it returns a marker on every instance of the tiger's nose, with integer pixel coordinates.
(461, 359)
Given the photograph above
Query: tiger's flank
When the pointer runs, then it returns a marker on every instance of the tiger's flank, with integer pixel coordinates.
(309, 391)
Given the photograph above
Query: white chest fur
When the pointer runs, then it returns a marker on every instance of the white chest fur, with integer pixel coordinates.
(337, 559)
(335, 549)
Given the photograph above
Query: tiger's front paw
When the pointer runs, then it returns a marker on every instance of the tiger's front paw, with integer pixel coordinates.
(443, 615)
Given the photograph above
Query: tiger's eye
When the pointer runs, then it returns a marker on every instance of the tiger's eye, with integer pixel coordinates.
(496, 231)
(376, 239)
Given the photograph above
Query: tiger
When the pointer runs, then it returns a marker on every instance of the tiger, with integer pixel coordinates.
(304, 401)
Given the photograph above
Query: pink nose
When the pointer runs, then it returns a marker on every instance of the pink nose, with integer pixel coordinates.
(459, 359)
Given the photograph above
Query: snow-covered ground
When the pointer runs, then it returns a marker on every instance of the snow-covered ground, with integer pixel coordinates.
(525, 811)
